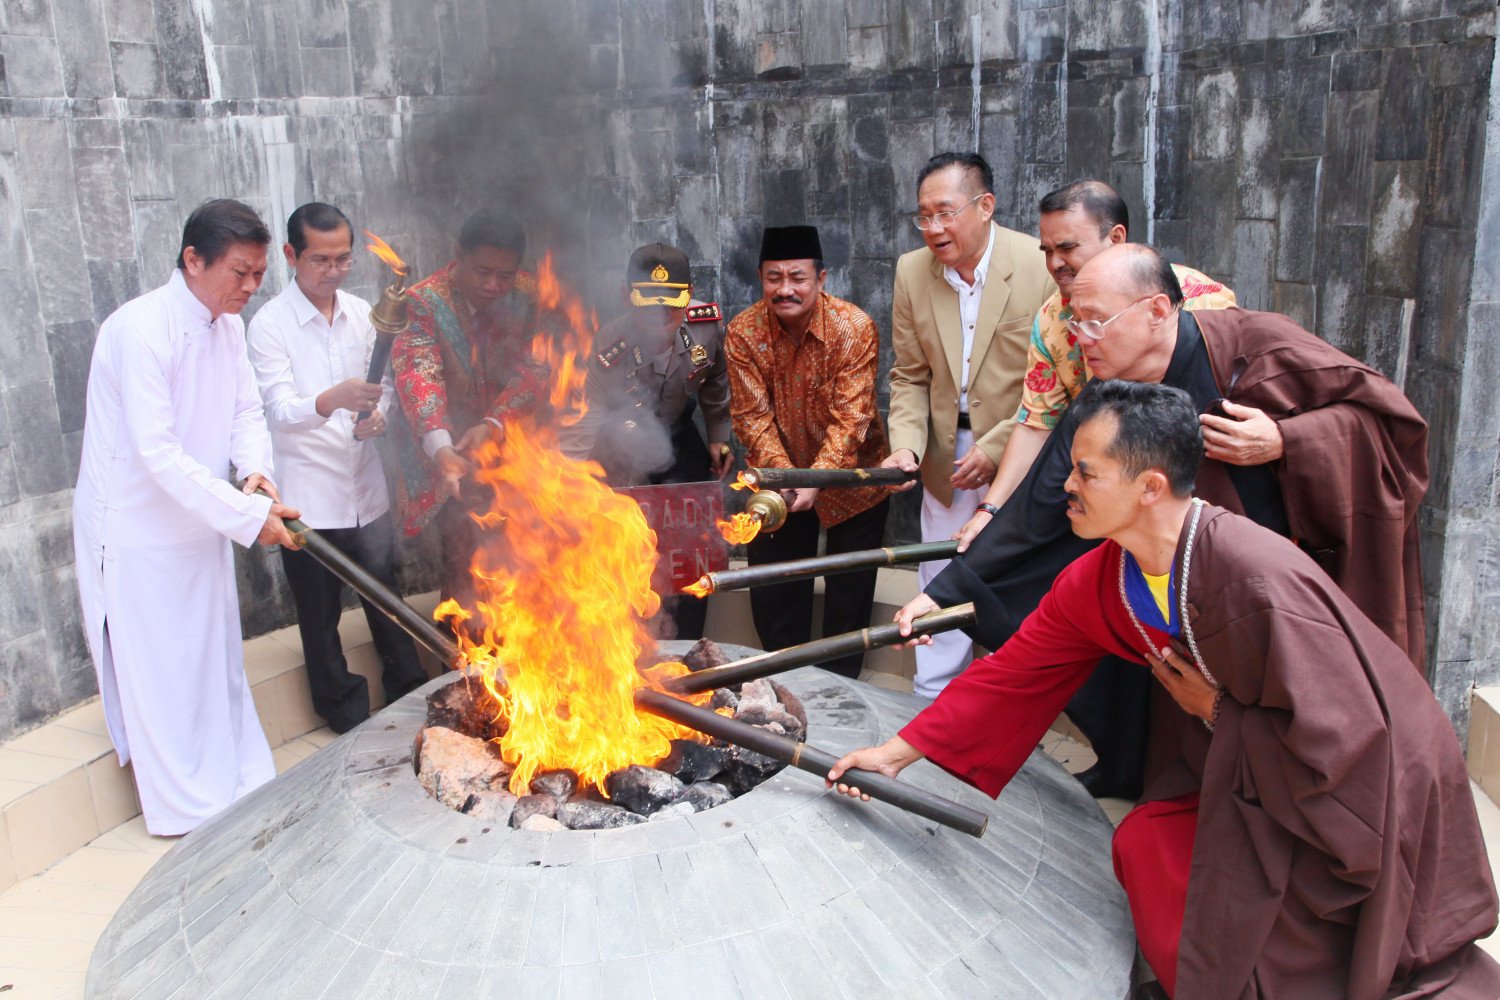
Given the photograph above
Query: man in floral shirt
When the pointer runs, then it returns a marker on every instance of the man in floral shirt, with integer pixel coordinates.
(462, 368)
(802, 369)
(1078, 221)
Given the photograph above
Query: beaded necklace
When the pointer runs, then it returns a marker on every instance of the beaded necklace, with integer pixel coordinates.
(1182, 610)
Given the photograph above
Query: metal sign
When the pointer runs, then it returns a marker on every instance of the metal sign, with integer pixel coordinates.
(683, 515)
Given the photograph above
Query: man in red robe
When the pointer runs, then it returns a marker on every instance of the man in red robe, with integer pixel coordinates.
(461, 369)
(1308, 829)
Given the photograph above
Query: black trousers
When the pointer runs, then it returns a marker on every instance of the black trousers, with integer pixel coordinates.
(783, 611)
(340, 696)
(1113, 709)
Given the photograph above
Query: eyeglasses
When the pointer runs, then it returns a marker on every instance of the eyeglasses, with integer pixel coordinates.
(944, 219)
(332, 263)
(1093, 329)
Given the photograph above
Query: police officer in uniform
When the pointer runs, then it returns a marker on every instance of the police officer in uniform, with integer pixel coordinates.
(651, 369)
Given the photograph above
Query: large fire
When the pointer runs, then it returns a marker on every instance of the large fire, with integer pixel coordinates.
(558, 629)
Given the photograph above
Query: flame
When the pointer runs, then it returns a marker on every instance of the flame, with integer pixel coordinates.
(740, 528)
(382, 249)
(563, 588)
(741, 483)
(702, 588)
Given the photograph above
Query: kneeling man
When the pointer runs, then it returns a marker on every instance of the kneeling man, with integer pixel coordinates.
(1307, 829)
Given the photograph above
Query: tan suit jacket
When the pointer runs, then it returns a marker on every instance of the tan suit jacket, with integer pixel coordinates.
(929, 353)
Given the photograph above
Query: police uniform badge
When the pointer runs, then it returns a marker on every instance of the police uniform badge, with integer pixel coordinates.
(699, 354)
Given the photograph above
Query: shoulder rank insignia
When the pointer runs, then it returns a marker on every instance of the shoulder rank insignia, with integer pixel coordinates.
(708, 312)
(610, 354)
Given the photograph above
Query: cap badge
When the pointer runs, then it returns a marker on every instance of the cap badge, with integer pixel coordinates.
(659, 273)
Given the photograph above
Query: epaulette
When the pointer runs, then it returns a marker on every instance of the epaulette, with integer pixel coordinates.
(610, 354)
(708, 312)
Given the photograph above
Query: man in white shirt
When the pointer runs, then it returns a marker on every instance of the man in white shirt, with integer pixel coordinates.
(310, 346)
(961, 316)
(171, 406)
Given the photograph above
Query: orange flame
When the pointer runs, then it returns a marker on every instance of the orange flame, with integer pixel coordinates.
(741, 483)
(563, 587)
(740, 528)
(702, 588)
(382, 249)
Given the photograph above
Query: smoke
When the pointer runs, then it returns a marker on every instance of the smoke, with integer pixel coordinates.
(633, 445)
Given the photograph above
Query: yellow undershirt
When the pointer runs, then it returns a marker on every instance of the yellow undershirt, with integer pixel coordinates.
(1159, 587)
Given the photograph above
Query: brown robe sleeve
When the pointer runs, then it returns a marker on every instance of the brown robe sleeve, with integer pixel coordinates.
(1338, 851)
(1355, 464)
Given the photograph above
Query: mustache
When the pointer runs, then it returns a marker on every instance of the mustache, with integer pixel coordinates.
(795, 300)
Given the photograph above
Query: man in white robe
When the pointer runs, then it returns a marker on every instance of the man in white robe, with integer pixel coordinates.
(172, 404)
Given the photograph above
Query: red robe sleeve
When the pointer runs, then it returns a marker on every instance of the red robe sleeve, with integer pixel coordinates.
(988, 720)
(417, 363)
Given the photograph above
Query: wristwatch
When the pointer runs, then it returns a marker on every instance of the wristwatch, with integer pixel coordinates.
(987, 508)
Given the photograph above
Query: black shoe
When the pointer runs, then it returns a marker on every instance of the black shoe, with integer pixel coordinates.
(1150, 991)
(1102, 785)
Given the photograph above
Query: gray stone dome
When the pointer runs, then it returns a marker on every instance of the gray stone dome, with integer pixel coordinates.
(343, 878)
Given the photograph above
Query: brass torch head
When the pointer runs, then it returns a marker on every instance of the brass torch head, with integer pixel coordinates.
(391, 316)
(769, 507)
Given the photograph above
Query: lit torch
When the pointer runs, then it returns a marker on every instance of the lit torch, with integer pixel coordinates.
(390, 317)
(765, 511)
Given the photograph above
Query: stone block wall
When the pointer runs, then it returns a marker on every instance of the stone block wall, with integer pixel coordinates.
(1327, 159)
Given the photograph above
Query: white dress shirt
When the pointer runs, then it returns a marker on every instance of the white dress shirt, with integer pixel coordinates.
(968, 312)
(333, 479)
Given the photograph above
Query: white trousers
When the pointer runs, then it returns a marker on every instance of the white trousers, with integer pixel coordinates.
(950, 652)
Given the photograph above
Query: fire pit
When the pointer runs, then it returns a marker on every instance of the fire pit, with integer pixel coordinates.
(345, 878)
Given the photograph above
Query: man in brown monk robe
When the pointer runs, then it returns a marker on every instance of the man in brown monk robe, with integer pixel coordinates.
(1309, 830)
(1298, 436)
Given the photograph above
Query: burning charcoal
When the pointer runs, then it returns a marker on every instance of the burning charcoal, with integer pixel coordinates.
(704, 654)
(758, 694)
(746, 769)
(693, 761)
(454, 765)
(705, 795)
(595, 816)
(673, 811)
(453, 707)
(539, 823)
(528, 806)
(642, 789)
(492, 807)
(558, 784)
(724, 698)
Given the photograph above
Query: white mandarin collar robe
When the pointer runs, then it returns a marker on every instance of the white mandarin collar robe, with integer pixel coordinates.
(171, 404)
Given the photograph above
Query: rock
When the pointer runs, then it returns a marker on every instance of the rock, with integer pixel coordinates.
(790, 704)
(724, 698)
(704, 654)
(528, 806)
(541, 824)
(704, 795)
(692, 762)
(558, 784)
(454, 766)
(674, 811)
(758, 694)
(746, 769)
(492, 807)
(642, 789)
(452, 707)
(596, 816)
(764, 717)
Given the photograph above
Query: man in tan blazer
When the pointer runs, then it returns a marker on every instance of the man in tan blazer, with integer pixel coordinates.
(961, 318)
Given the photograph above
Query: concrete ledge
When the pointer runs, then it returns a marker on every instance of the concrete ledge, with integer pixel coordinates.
(60, 785)
(1483, 753)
